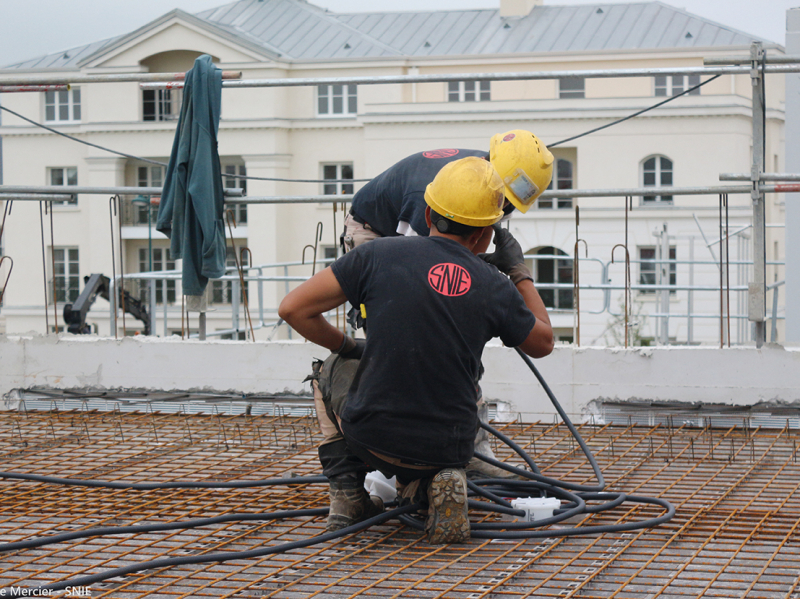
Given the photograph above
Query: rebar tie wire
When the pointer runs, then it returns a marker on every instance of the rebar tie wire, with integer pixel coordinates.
(44, 266)
(552, 145)
(240, 268)
(8, 276)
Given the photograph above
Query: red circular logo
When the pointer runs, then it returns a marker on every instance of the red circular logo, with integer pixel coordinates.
(509, 137)
(449, 279)
(446, 153)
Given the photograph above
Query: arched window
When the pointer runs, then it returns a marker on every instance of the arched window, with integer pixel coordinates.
(563, 178)
(546, 268)
(656, 172)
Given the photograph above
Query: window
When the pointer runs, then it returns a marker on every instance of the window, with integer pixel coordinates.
(677, 84)
(571, 87)
(562, 177)
(552, 270)
(161, 104)
(161, 261)
(62, 106)
(234, 177)
(336, 100)
(148, 176)
(469, 91)
(647, 268)
(222, 291)
(66, 278)
(337, 171)
(657, 172)
(63, 175)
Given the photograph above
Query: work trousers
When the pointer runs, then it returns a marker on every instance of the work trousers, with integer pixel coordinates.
(339, 454)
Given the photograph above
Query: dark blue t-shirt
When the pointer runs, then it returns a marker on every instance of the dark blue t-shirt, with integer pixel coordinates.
(431, 306)
(398, 193)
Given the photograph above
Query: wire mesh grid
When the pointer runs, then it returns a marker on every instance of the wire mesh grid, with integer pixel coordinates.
(734, 534)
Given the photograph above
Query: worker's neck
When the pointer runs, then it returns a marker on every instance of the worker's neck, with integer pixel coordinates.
(467, 242)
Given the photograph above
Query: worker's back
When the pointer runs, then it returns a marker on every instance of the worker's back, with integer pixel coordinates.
(431, 307)
(398, 193)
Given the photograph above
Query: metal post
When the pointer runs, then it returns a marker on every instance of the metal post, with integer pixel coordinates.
(235, 291)
(690, 299)
(151, 285)
(663, 279)
(164, 284)
(792, 250)
(757, 294)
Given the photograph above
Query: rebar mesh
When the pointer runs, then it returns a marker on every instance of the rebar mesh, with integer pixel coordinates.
(734, 534)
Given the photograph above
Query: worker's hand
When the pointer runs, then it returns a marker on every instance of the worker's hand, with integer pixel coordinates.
(352, 349)
(507, 256)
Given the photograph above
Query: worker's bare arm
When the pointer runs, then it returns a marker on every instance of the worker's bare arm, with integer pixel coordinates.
(304, 307)
(539, 342)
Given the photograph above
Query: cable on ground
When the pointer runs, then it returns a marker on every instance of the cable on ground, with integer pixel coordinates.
(530, 483)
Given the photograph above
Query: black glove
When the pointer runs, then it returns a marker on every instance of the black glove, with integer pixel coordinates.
(351, 349)
(507, 256)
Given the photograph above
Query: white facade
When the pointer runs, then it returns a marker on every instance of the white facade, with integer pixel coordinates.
(278, 132)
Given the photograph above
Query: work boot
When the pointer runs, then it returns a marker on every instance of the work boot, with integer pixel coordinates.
(477, 468)
(448, 514)
(350, 502)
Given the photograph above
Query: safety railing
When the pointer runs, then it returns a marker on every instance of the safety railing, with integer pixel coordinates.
(600, 280)
(757, 65)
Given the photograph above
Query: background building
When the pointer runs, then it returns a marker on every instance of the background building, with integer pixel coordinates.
(329, 132)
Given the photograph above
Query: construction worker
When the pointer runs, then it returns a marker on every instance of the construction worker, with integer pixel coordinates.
(432, 304)
(393, 204)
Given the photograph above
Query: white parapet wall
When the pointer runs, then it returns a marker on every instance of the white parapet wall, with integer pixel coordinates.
(577, 376)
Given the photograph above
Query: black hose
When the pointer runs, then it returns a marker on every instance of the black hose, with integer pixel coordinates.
(241, 484)
(230, 555)
(123, 530)
(494, 489)
(601, 482)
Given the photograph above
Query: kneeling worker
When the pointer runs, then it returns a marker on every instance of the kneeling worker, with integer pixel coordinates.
(432, 305)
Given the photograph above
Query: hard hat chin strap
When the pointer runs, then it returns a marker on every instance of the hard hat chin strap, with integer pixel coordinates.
(450, 227)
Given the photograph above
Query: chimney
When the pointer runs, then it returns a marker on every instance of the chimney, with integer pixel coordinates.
(518, 8)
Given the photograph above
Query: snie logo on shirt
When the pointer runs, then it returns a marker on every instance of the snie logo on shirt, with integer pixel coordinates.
(449, 279)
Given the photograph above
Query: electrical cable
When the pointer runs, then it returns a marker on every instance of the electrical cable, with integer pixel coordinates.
(635, 114)
(230, 555)
(159, 163)
(495, 489)
(241, 484)
(142, 528)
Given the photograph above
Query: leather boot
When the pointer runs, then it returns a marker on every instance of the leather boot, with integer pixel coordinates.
(350, 502)
(448, 513)
(476, 468)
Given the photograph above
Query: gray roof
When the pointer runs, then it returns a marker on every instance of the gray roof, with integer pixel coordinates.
(297, 30)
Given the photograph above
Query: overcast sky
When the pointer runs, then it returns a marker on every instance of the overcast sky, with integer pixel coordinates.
(30, 28)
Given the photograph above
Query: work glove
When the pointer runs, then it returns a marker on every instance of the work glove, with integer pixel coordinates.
(507, 256)
(351, 349)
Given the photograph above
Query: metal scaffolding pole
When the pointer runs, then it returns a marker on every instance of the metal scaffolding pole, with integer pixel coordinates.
(792, 235)
(757, 294)
(521, 76)
(564, 193)
(26, 190)
(61, 80)
(764, 177)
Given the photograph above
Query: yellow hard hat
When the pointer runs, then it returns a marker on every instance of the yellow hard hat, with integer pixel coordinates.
(524, 164)
(468, 191)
